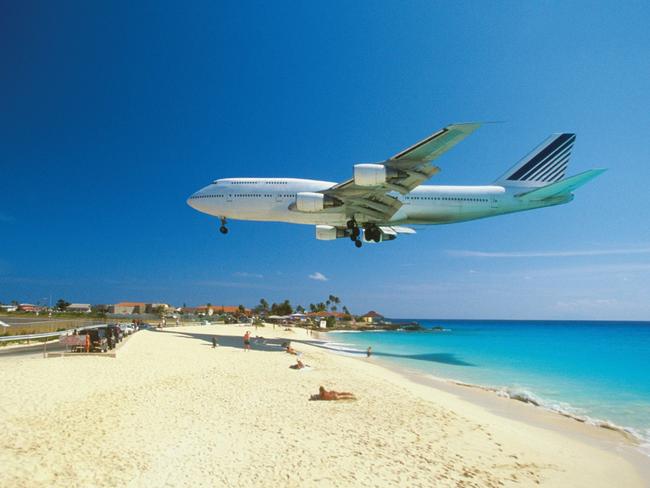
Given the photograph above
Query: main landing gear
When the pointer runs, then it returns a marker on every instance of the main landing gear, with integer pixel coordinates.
(373, 233)
(223, 229)
(355, 232)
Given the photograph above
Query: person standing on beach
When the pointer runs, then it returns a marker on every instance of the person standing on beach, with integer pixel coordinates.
(369, 352)
(214, 342)
(247, 341)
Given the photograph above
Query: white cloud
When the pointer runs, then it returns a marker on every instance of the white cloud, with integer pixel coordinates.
(318, 276)
(587, 303)
(547, 254)
(244, 274)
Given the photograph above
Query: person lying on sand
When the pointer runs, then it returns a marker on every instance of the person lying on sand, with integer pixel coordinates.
(323, 394)
(299, 365)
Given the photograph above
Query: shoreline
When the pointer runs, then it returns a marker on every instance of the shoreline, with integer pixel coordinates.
(601, 433)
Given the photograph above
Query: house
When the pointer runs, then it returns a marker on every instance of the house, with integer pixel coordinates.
(28, 307)
(78, 307)
(157, 308)
(372, 317)
(216, 309)
(129, 307)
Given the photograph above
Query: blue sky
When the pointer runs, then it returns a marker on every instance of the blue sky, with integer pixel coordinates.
(113, 114)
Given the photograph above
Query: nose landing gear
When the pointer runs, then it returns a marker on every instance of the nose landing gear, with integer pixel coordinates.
(223, 229)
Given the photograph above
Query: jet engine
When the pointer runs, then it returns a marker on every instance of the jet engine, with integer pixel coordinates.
(369, 174)
(314, 202)
(329, 233)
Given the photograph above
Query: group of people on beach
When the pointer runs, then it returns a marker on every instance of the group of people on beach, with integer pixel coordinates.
(323, 394)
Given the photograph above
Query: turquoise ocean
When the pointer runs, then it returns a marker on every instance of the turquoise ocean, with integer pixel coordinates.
(596, 371)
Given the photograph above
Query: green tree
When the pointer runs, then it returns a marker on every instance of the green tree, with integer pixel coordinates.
(61, 304)
(242, 309)
(330, 322)
(300, 309)
(262, 308)
(283, 308)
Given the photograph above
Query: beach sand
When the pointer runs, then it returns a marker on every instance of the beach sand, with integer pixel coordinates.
(172, 411)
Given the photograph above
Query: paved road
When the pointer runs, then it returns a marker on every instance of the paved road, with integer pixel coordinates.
(14, 320)
(26, 351)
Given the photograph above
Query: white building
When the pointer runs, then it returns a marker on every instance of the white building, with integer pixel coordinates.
(78, 307)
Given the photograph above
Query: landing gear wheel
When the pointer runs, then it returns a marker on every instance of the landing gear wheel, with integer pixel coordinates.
(351, 224)
(373, 233)
(223, 229)
(358, 243)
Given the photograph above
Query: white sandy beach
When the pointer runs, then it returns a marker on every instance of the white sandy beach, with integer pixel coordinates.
(172, 411)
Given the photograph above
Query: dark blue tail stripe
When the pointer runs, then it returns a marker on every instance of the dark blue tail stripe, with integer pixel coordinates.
(549, 162)
(551, 168)
(568, 145)
(558, 173)
(542, 156)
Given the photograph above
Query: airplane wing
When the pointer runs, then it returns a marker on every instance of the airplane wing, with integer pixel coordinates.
(401, 173)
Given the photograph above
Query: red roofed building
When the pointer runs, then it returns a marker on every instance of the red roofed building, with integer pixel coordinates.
(216, 309)
(28, 307)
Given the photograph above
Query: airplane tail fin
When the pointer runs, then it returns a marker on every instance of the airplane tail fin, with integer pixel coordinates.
(545, 164)
(560, 188)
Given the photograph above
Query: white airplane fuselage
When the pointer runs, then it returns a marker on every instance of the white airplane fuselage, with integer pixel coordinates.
(270, 199)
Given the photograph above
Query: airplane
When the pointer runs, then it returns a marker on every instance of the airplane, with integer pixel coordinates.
(382, 199)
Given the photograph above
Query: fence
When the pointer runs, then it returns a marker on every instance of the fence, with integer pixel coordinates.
(44, 335)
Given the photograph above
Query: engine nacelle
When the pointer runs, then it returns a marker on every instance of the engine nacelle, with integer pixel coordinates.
(310, 202)
(329, 233)
(369, 174)
(307, 201)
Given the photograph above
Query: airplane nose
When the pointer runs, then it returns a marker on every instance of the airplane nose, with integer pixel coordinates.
(191, 201)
